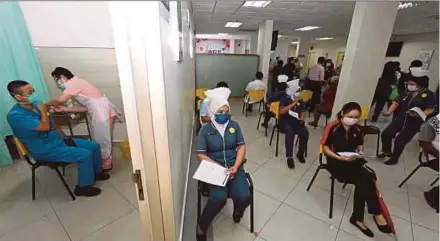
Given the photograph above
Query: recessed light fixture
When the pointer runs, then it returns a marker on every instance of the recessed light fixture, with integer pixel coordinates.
(405, 5)
(222, 34)
(233, 24)
(256, 4)
(307, 28)
(325, 38)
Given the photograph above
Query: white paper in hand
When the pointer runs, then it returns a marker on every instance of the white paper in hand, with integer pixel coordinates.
(211, 173)
(349, 154)
(294, 114)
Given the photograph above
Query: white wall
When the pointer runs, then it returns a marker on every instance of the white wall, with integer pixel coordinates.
(282, 49)
(179, 95)
(411, 45)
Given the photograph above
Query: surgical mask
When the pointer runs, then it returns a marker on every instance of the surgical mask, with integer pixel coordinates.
(398, 75)
(350, 121)
(62, 85)
(34, 98)
(221, 118)
(413, 88)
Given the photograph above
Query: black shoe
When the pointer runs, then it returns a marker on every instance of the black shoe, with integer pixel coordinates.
(237, 216)
(429, 200)
(384, 155)
(391, 162)
(87, 191)
(290, 163)
(301, 158)
(383, 228)
(102, 176)
(367, 231)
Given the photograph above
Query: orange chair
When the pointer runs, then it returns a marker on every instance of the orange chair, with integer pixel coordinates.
(256, 96)
(275, 110)
(369, 129)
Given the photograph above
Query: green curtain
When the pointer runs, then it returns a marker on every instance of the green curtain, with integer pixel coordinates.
(18, 60)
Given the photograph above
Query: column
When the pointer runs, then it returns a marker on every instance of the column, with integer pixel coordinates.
(302, 51)
(370, 33)
(263, 46)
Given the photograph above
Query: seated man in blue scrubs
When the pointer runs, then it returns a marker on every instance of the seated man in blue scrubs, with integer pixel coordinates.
(31, 124)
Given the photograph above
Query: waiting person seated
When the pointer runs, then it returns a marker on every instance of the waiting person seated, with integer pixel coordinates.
(31, 124)
(291, 105)
(257, 84)
(205, 118)
(327, 101)
(277, 96)
(407, 123)
(223, 143)
(429, 141)
(345, 135)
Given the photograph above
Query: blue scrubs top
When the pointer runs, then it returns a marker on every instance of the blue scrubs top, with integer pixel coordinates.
(203, 109)
(298, 108)
(424, 99)
(24, 123)
(220, 149)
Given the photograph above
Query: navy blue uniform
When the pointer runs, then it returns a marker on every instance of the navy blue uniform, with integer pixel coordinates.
(407, 126)
(292, 126)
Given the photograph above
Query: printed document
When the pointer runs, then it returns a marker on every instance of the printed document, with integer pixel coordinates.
(211, 173)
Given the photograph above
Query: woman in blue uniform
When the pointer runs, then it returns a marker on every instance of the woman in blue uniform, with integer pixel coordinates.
(345, 135)
(222, 142)
(407, 123)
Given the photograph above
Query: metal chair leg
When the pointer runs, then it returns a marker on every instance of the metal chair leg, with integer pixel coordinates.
(246, 109)
(64, 171)
(313, 178)
(278, 141)
(332, 193)
(33, 183)
(242, 110)
(271, 136)
(199, 204)
(377, 144)
(410, 175)
(432, 184)
(259, 121)
(64, 183)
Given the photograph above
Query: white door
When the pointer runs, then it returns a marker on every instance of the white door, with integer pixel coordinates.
(136, 30)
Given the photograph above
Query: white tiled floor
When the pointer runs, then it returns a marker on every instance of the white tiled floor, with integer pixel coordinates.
(284, 210)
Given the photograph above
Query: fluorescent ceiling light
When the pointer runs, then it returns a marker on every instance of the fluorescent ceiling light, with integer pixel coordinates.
(325, 38)
(404, 5)
(222, 34)
(256, 4)
(233, 24)
(307, 28)
(280, 36)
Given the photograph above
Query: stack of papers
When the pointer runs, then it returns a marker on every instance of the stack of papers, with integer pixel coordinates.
(211, 173)
(349, 154)
(294, 114)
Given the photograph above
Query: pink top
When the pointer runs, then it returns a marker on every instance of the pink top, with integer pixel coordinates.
(316, 72)
(78, 86)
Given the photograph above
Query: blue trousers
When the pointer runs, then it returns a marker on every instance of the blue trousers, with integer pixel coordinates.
(303, 135)
(237, 189)
(87, 154)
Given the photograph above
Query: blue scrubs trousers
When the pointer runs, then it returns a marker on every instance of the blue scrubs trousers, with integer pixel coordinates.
(237, 189)
(87, 154)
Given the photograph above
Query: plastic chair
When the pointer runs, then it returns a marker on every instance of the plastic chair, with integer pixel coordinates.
(332, 185)
(256, 96)
(275, 110)
(422, 163)
(369, 129)
(306, 96)
(203, 190)
(36, 164)
(200, 93)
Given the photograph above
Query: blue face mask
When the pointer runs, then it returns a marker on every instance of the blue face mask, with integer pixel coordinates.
(62, 85)
(221, 118)
(34, 98)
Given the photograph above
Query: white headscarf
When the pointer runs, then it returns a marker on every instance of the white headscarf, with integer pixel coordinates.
(292, 88)
(418, 72)
(215, 99)
(283, 78)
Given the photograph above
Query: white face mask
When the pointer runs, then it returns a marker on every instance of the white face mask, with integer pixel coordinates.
(413, 88)
(350, 121)
(398, 75)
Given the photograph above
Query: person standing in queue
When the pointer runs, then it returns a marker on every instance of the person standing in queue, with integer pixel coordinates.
(276, 71)
(316, 80)
(289, 68)
(222, 142)
(383, 88)
(345, 135)
(292, 122)
(407, 123)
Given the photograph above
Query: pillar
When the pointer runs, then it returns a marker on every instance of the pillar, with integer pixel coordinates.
(263, 47)
(302, 51)
(370, 33)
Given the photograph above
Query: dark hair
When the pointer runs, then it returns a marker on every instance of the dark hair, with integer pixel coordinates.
(321, 60)
(259, 75)
(282, 86)
(280, 63)
(222, 84)
(347, 108)
(416, 63)
(15, 85)
(58, 71)
(389, 71)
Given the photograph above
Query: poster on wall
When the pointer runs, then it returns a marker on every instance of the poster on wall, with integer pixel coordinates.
(213, 46)
(425, 56)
